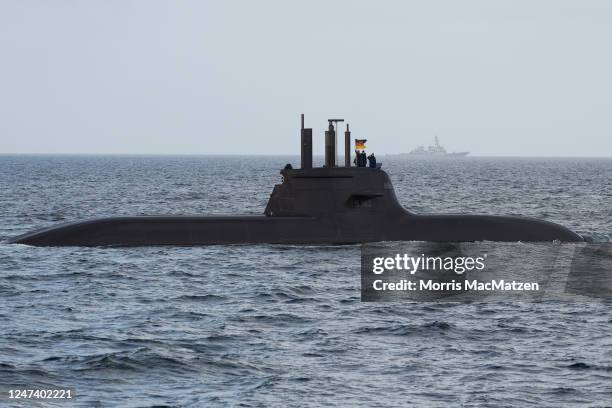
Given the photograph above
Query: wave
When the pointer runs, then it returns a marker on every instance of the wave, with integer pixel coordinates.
(407, 329)
(201, 298)
(584, 366)
(142, 359)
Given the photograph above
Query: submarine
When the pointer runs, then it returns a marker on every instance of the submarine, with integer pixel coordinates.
(332, 204)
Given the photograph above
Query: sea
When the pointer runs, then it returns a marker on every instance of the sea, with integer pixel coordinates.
(284, 325)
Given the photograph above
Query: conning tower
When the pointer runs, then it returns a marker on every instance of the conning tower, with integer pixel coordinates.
(348, 197)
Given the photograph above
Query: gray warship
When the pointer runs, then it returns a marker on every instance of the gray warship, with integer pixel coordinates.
(436, 150)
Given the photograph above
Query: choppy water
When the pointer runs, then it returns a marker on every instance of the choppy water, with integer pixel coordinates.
(283, 325)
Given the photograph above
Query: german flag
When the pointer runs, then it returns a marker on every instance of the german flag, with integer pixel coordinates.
(360, 144)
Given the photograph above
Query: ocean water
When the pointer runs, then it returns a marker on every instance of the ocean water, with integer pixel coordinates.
(273, 325)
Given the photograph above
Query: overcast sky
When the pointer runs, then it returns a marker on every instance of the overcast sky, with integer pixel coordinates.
(215, 77)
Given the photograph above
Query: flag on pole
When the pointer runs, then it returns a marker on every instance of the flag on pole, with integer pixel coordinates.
(360, 144)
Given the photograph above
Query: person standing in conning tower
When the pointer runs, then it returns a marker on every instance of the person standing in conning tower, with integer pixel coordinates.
(372, 160)
(361, 159)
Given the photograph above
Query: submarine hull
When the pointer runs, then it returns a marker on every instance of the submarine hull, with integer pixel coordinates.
(337, 205)
(193, 231)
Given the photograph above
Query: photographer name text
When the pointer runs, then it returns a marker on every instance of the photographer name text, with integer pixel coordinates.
(475, 285)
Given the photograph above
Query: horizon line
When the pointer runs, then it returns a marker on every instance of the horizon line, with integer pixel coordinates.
(293, 155)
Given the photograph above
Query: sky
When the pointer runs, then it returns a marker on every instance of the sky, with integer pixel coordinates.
(519, 78)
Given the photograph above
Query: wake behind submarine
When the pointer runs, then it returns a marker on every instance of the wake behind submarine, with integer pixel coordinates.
(323, 205)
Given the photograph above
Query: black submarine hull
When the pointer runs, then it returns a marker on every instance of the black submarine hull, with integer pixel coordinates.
(202, 230)
(325, 205)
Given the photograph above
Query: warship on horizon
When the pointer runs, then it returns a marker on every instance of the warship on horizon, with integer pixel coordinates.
(436, 150)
